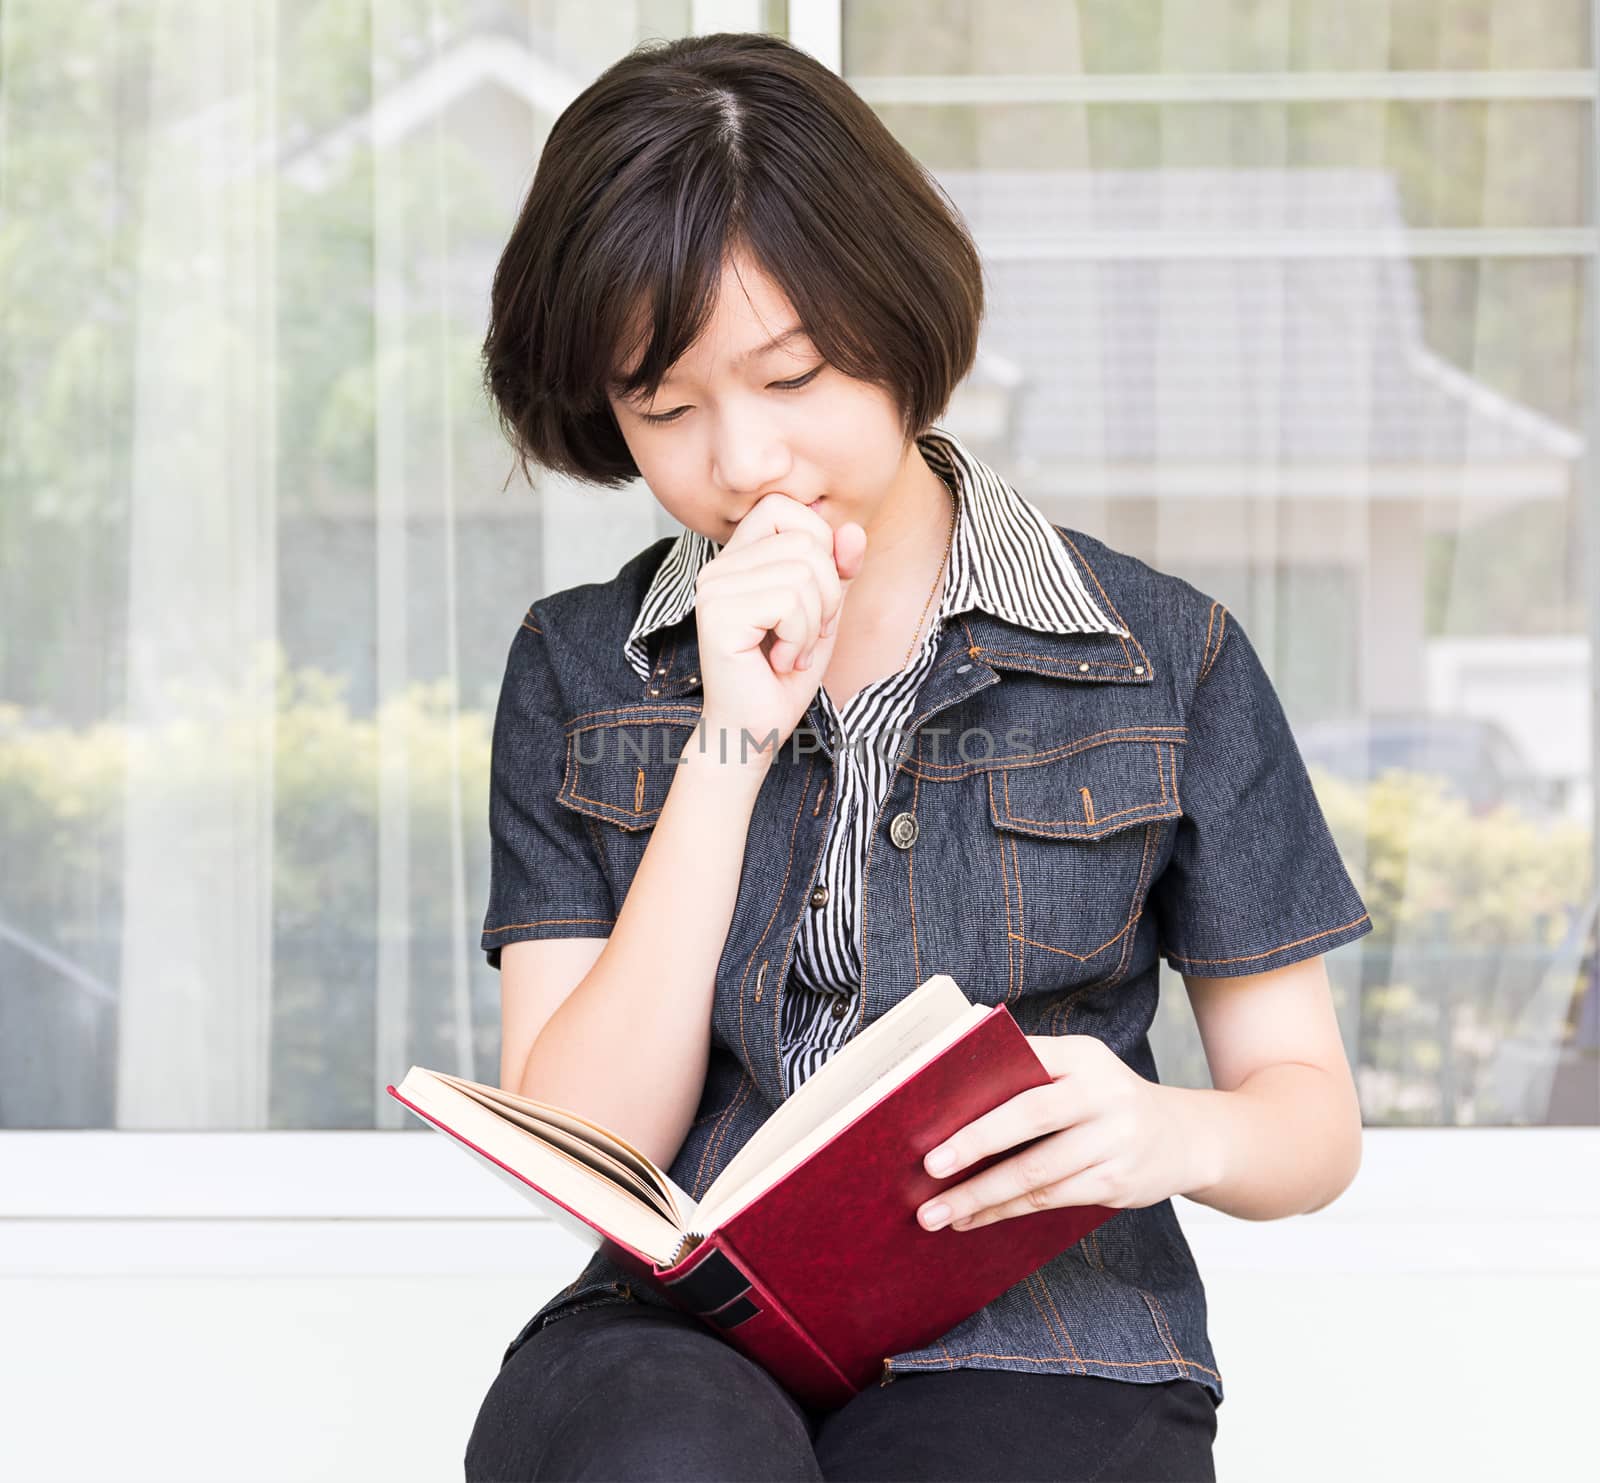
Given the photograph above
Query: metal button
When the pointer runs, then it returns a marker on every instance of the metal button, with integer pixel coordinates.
(839, 1007)
(961, 669)
(903, 830)
(1138, 669)
(655, 690)
(1082, 667)
(819, 897)
(693, 678)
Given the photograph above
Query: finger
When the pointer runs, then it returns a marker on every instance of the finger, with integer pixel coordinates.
(774, 513)
(795, 576)
(1086, 1187)
(753, 612)
(1033, 1167)
(787, 646)
(783, 546)
(1029, 1114)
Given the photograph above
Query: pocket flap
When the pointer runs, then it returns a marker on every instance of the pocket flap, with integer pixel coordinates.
(1091, 790)
(620, 771)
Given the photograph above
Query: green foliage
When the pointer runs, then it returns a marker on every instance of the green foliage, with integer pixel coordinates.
(1425, 865)
(65, 793)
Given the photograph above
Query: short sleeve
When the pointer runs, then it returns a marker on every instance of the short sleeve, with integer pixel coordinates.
(1255, 880)
(545, 876)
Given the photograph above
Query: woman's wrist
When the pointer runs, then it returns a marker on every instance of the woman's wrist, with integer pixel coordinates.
(724, 747)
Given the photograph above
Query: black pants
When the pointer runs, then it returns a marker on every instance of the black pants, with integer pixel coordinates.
(626, 1391)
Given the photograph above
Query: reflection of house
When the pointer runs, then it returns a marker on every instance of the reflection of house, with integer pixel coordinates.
(1232, 361)
(1220, 370)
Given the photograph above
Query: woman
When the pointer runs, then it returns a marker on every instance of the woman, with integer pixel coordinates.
(871, 717)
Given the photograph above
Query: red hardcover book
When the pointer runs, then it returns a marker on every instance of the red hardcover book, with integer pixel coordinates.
(805, 1253)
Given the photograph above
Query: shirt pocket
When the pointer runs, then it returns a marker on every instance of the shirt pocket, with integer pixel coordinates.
(1079, 829)
(617, 774)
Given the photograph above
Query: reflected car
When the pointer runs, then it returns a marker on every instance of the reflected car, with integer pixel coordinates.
(1476, 758)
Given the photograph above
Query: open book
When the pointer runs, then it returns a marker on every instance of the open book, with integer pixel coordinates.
(805, 1252)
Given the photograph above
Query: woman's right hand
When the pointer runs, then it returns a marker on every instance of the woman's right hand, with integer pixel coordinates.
(771, 597)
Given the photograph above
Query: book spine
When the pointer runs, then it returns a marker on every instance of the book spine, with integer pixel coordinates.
(723, 1291)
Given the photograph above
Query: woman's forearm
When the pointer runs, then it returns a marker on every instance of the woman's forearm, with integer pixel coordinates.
(1285, 1141)
(629, 1046)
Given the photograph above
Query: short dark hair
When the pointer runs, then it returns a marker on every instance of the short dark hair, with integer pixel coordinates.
(677, 156)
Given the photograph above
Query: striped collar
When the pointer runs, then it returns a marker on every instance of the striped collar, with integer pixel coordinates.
(1005, 559)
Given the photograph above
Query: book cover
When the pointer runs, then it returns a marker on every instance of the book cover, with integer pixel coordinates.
(823, 1275)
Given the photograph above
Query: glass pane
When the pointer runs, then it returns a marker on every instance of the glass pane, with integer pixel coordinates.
(258, 567)
(975, 37)
(1326, 357)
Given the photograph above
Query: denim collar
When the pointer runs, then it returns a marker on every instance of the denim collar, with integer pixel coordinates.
(1007, 560)
(974, 638)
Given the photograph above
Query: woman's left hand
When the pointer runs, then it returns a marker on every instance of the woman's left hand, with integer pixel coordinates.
(1106, 1136)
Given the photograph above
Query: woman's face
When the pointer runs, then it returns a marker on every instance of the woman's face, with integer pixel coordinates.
(744, 421)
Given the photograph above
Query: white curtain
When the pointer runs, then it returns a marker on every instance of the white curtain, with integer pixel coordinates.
(1288, 299)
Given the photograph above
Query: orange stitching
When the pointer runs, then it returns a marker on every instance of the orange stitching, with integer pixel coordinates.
(1136, 906)
(700, 1122)
(569, 794)
(1135, 912)
(906, 738)
(1050, 1298)
(805, 788)
(1163, 1328)
(1022, 951)
(1149, 668)
(911, 897)
(1005, 881)
(794, 931)
(1133, 917)
(1044, 1319)
(1088, 805)
(944, 772)
(1064, 1009)
(532, 629)
(1032, 1359)
(1067, 952)
(670, 714)
(1250, 957)
(1016, 818)
(546, 922)
(1116, 813)
(1049, 1328)
(638, 791)
(714, 1143)
(1216, 653)
(1220, 614)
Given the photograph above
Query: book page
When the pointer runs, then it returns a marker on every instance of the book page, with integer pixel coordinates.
(905, 1037)
(556, 1178)
(729, 1202)
(680, 1205)
(554, 1133)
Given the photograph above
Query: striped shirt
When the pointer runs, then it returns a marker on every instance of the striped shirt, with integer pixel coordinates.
(1004, 558)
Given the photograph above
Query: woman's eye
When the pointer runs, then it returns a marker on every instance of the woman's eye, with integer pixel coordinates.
(793, 385)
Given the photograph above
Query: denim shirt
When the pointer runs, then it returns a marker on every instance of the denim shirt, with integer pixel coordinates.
(1065, 810)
